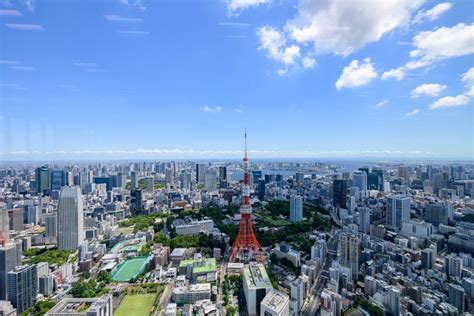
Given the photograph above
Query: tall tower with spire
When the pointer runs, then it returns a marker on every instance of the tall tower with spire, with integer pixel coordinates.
(246, 247)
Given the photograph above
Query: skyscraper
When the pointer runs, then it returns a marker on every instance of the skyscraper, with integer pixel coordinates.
(42, 179)
(133, 180)
(296, 208)
(200, 170)
(136, 202)
(70, 218)
(210, 180)
(4, 225)
(360, 181)
(339, 191)
(22, 286)
(350, 249)
(223, 173)
(398, 210)
(185, 180)
(58, 179)
(261, 189)
(10, 257)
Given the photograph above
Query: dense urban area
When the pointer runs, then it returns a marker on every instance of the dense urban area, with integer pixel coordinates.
(157, 238)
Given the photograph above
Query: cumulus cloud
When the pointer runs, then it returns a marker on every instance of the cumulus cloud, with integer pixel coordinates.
(238, 110)
(429, 89)
(236, 6)
(342, 26)
(444, 42)
(356, 74)
(396, 73)
(308, 62)
(10, 13)
(448, 102)
(25, 27)
(211, 108)
(381, 103)
(468, 79)
(433, 13)
(118, 18)
(414, 112)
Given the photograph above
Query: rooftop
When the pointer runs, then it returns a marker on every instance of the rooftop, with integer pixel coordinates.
(275, 300)
(256, 276)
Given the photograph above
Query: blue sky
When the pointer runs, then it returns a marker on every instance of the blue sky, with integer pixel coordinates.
(178, 79)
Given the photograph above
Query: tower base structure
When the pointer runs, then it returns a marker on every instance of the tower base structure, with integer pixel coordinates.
(246, 247)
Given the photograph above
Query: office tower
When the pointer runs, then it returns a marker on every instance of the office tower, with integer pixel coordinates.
(394, 300)
(4, 225)
(120, 180)
(364, 219)
(256, 284)
(136, 202)
(438, 213)
(453, 266)
(185, 180)
(359, 180)
(51, 225)
(150, 184)
(404, 172)
(319, 250)
(298, 293)
(275, 303)
(10, 257)
(256, 176)
(246, 246)
(296, 208)
(32, 214)
(58, 179)
(210, 181)
(200, 171)
(104, 180)
(456, 297)
(339, 189)
(261, 189)
(299, 178)
(133, 180)
(22, 286)
(350, 251)
(398, 210)
(223, 173)
(279, 178)
(46, 284)
(169, 176)
(365, 169)
(70, 218)
(17, 217)
(42, 179)
(427, 258)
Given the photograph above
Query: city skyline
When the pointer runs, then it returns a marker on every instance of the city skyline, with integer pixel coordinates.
(149, 80)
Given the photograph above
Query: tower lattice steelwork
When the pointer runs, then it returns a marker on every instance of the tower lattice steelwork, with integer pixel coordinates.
(246, 246)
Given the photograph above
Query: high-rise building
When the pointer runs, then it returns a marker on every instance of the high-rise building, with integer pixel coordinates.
(17, 217)
(456, 297)
(339, 191)
(200, 171)
(106, 180)
(169, 176)
(58, 179)
(70, 218)
(453, 266)
(261, 189)
(359, 180)
(136, 202)
(22, 287)
(223, 173)
(185, 180)
(438, 213)
(10, 257)
(298, 294)
(210, 181)
(4, 225)
(42, 179)
(275, 303)
(350, 252)
(364, 219)
(51, 225)
(133, 180)
(256, 284)
(398, 210)
(299, 178)
(296, 208)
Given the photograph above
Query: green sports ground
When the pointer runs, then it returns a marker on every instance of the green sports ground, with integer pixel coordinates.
(129, 269)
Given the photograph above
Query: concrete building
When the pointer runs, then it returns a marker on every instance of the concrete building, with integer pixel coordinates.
(7, 309)
(417, 228)
(398, 210)
(22, 286)
(195, 227)
(284, 251)
(296, 208)
(256, 284)
(275, 303)
(350, 252)
(210, 181)
(10, 257)
(70, 218)
(102, 306)
(191, 293)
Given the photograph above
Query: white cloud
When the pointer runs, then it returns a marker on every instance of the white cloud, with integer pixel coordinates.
(118, 18)
(271, 41)
(85, 65)
(233, 24)
(448, 102)
(308, 62)
(382, 103)
(25, 27)
(238, 110)
(25, 68)
(236, 6)
(237, 36)
(211, 109)
(468, 79)
(342, 26)
(429, 89)
(433, 13)
(414, 112)
(356, 74)
(30, 5)
(290, 54)
(415, 64)
(444, 42)
(9, 62)
(397, 73)
(10, 13)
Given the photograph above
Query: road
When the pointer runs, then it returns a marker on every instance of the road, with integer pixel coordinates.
(311, 308)
(166, 296)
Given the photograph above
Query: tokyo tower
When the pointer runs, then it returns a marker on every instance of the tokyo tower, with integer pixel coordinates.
(246, 247)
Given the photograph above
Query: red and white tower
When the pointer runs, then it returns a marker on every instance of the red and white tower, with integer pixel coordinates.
(246, 246)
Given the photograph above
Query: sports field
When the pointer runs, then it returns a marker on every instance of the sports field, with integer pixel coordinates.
(137, 304)
(129, 269)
